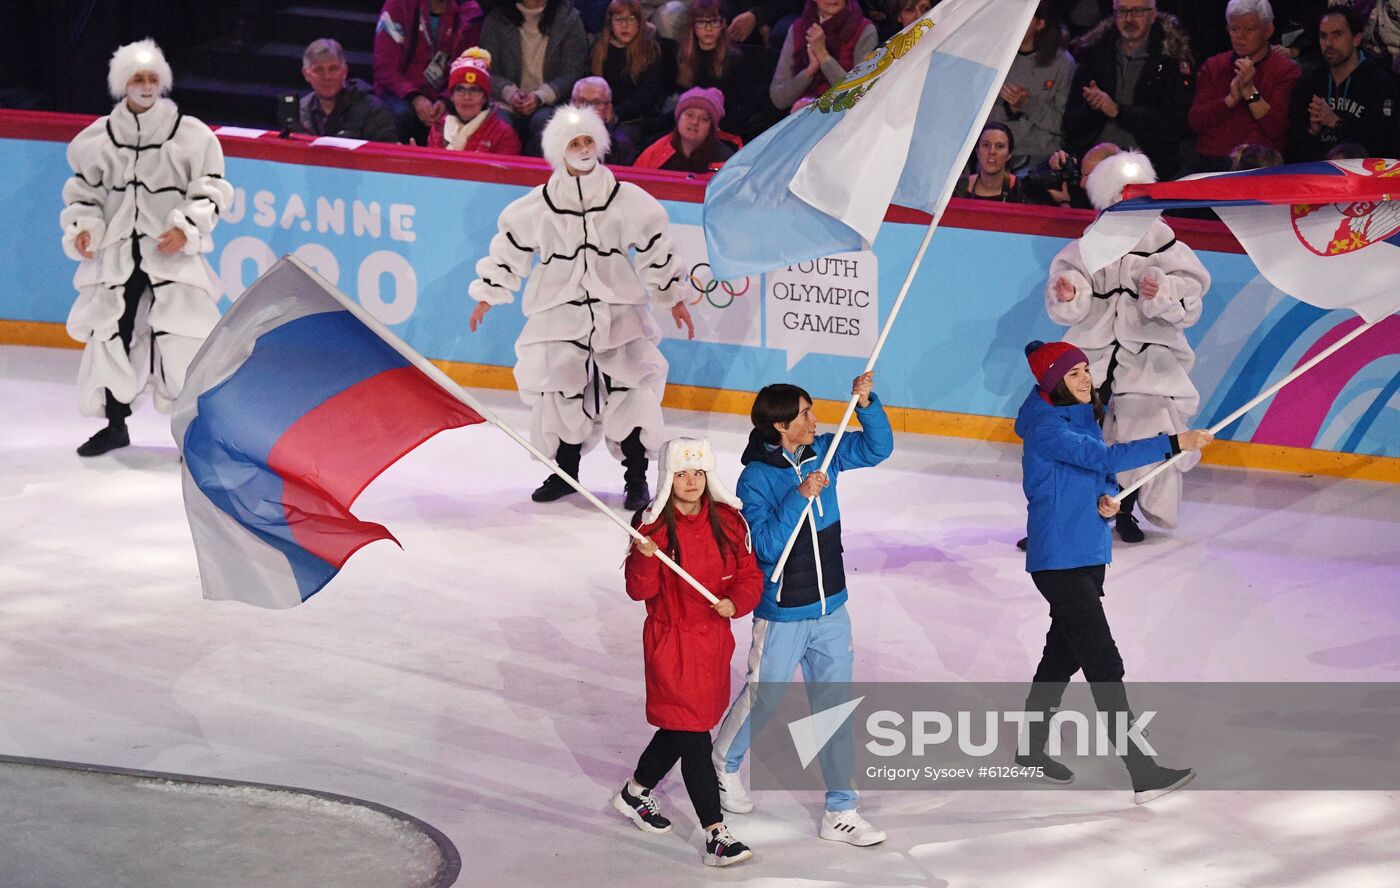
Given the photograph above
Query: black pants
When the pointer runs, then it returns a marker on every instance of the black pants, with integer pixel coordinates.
(136, 286)
(1079, 640)
(692, 748)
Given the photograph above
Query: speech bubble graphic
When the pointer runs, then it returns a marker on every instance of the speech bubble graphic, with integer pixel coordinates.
(829, 306)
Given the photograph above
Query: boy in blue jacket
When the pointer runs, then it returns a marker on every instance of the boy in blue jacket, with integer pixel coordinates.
(801, 619)
(1068, 477)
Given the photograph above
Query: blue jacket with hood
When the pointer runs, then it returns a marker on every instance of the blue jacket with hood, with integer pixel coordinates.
(814, 579)
(1066, 467)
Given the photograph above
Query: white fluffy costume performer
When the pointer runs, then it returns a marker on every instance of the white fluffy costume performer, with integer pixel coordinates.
(1136, 345)
(587, 360)
(143, 313)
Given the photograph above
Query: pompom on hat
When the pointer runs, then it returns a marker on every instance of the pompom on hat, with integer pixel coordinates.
(568, 122)
(143, 55)
(472, 68)
(1106, 183)
(680, 454)
(1050, 361)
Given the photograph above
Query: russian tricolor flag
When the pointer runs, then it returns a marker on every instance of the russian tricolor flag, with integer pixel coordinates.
(296, 401)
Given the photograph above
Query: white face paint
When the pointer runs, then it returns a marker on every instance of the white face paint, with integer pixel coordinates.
(581, 153)
(143, 89)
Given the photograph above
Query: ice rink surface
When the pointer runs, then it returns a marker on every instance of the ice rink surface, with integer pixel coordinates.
(487, 678)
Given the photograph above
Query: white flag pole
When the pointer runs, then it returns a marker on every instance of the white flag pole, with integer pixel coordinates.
(855, 399)
(461, 394)
(1255, 402)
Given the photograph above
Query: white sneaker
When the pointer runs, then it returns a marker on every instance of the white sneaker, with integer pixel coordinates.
(732, 796)
(849, 826)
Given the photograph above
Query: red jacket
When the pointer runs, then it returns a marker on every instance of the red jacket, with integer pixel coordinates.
(494, 136)
(1220, 128)
(402, 48)
(686, 646)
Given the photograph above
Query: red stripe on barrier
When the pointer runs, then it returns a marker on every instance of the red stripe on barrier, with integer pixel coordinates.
(331, 454)
(409, 160)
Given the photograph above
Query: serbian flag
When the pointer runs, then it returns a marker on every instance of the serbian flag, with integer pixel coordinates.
(898, 128)
(1327, 233)
(296, 401)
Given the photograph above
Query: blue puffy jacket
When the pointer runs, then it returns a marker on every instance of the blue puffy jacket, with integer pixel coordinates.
(1066, 467)
(814, 579)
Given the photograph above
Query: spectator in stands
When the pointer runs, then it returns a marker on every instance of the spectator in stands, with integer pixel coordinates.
(1242, 95)
(594, 92)
(414, 43)
(765, 22)
(538, 49)
(1032, 102)
(899, 14)
(694, 146)
(820, 47)
(336, 105)
(1350, 99)
(471, 123)
(708, 58)
(1383, 33)
(628, 56)
(1254, 157)
(1060, 183)
(1347, 151)
(1133, 85)
(992, 180)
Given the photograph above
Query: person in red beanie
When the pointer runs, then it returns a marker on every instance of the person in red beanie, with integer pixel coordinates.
(694, 146)
(1068, 478)
(471, 123)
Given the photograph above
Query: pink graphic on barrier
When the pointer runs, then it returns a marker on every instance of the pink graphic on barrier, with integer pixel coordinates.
(1297, 413)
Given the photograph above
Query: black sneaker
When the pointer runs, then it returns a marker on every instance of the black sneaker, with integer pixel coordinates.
(1128, 530)
(109, 438)
(722, 849)
(638, 496)
(1155, 781)
(1051, 771)
(643, 810)
(552, 489)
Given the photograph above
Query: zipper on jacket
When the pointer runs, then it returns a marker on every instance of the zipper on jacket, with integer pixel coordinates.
(816, 547)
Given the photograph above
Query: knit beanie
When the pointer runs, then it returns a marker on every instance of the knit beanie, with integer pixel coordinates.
(1050, 361)
(709, 100)
(472, 68)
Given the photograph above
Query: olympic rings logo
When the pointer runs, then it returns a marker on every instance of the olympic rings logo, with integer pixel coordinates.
(705, 287)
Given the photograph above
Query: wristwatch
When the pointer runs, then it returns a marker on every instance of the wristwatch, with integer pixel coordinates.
(1251, 99)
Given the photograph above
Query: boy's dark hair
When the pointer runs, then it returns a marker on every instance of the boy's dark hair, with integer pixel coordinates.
(1355, 23)
(779, 402)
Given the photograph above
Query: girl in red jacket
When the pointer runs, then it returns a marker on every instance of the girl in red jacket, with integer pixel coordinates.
(686, 641)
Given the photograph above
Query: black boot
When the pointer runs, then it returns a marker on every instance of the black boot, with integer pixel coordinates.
(1051, 771)
(1151, 780)
(634, 474)
(113, 436)
(1126, 524)
(555, 487)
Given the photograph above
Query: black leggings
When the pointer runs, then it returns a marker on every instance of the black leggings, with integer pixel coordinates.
(1079, 639)
(136, 286)
(692, 748)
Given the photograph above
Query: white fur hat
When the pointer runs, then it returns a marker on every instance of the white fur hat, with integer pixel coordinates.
(677, 455)
(143, 55)
(1105, 184)
(568, 122)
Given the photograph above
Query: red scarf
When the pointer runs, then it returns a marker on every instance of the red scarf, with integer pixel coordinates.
(842, 31)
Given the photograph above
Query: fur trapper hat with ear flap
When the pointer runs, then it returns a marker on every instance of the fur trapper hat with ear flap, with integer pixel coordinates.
(567, 123)
(1105, 184)
(678, 455)
(143, 55)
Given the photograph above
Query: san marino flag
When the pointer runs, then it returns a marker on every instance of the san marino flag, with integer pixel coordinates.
(897, 129)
